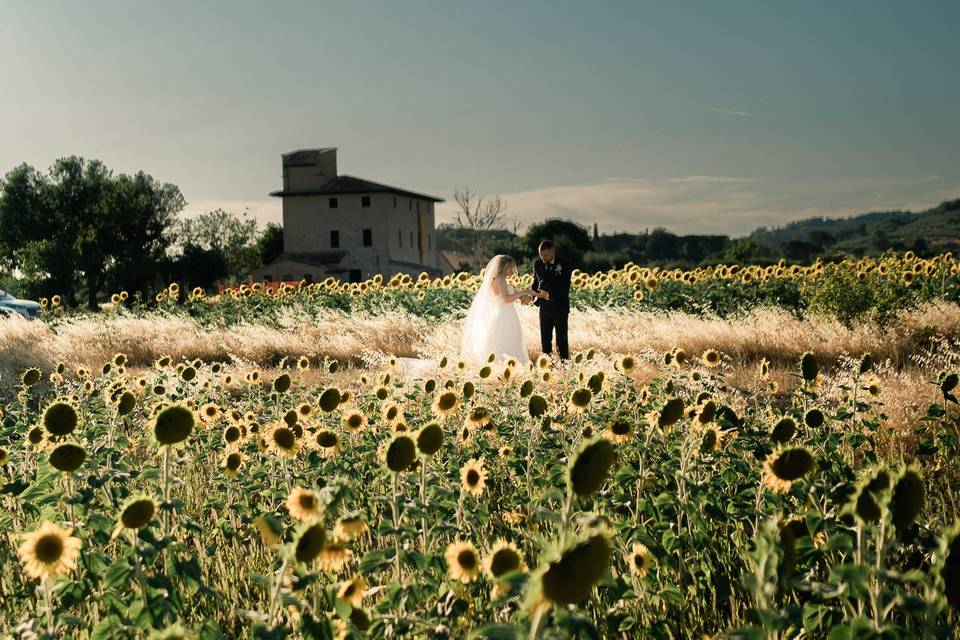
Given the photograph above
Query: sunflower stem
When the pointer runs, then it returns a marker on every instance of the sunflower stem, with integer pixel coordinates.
(166, 490)
(138, 571)
(423, 502)
(537, 618)
(48, 605)
(275, 596)
(394, 504)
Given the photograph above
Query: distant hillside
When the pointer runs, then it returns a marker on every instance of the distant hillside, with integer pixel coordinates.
(932, 231)
(926, 233)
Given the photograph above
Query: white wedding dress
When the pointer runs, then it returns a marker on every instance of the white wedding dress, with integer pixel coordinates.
(492, 325)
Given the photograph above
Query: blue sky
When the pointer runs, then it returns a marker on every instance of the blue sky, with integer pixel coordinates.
(698, 116)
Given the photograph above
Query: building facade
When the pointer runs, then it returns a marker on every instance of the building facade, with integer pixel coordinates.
(348, 227)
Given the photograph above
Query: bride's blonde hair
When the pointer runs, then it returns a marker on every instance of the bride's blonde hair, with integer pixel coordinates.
(504, 262)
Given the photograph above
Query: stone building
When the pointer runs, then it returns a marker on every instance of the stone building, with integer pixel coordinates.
(348, 227)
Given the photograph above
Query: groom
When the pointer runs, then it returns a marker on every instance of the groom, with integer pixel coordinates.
(551, 275)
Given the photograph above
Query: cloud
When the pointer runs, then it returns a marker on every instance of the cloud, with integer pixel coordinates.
(714, 204)
(732, 112)
(733, 205)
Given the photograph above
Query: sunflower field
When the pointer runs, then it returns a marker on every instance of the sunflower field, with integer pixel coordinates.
(854, 290)
(654, 494)
(199, 500)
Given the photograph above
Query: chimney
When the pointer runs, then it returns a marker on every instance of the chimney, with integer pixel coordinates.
(307, 169)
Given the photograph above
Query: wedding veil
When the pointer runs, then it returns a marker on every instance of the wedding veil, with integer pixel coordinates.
(479, 319)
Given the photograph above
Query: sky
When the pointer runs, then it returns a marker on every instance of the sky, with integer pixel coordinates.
(702, 117)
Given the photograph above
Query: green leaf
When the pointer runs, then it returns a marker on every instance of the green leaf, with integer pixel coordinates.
(118, 574)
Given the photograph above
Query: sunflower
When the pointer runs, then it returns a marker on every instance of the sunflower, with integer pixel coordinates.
(349, 527)
(445, 404)
(639, 560)
(49, 552)
(303, 504)
(503, 558)
(873, 386)
(478, 417)
(352, 591)
(580, 400)
(309, 542)
(354, 421)
(328, 441)
(60, 418)
(210, 413)
(627, 364)
(232, 462)
(711, 357)
(304, 409)
(620, 430)
(463, 562)
(281, 440)
(136, 513)
(473, 477)
(269, 528)
(570, 573)
(334, 557)
(784, 466)
(712, 439)
(173, 424)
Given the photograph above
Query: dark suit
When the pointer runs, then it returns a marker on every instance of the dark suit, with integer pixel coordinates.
(554, 278)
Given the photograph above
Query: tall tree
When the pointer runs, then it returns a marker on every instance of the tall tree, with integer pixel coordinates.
(480, 215)
(80, 223)
(234, 237)
(270, 243)
(571, 239)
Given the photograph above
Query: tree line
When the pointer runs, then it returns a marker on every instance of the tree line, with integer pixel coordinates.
(80, 230)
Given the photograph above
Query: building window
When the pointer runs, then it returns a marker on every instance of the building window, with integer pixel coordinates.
(334, 239)
(334, 203)
(409, 205)
(399, 238)
(394, 202)
(364, 201)
(429, 244)
(355, 275)
(368, 237)
(418, 206)
(411, 238)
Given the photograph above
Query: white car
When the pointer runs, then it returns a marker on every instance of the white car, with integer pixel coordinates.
(10, 305)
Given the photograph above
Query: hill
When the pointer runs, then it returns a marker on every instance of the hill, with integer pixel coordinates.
(927, 232)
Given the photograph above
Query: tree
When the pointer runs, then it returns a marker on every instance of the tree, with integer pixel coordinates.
(145, 212)
(270, 243)
(745, 251)
(233, 237)
(80, 224)
(479, 215)
(571, 239)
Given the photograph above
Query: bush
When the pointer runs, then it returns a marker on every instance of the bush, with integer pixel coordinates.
(852, 296)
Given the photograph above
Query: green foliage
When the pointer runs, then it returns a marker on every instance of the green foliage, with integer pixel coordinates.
(851, 296)
(80, 223)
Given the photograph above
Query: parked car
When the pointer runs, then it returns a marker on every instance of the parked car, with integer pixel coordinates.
(10, 305)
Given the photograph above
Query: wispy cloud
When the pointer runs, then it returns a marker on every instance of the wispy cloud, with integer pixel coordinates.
(733, 112)
(715, 204)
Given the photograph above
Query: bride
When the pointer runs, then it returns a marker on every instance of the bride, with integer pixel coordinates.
(492, 324)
